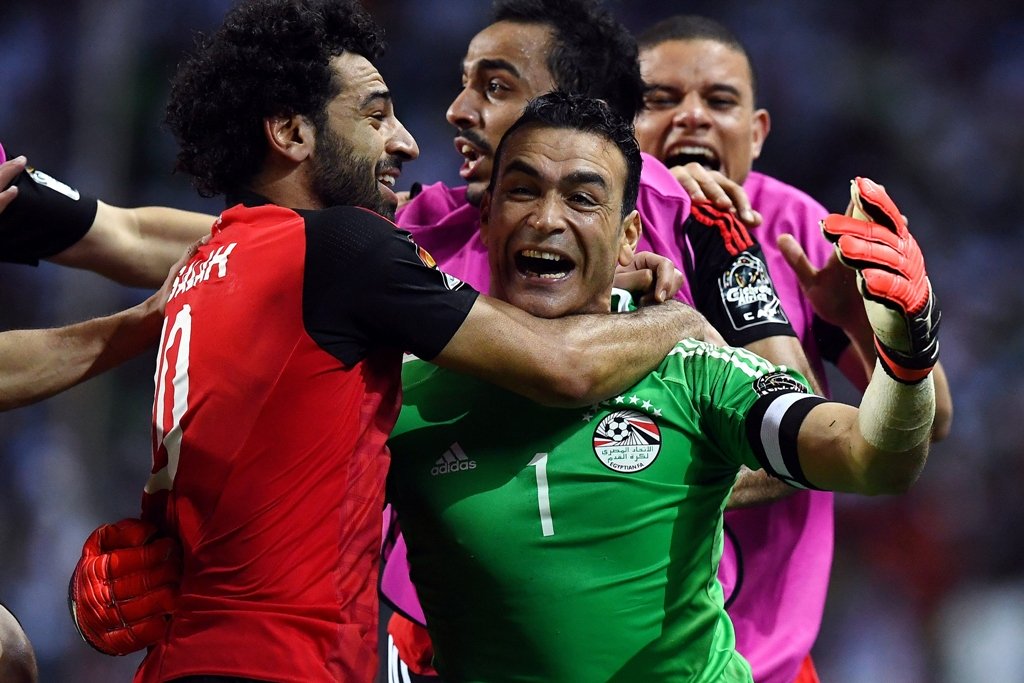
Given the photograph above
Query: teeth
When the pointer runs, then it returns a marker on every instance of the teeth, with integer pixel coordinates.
(533, 253)
(702, 151)
(466, 149)
(388, 180)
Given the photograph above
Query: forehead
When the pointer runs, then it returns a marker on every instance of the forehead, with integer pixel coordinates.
(694, 63)
(359, 78)
(559, 154)
(524, 46)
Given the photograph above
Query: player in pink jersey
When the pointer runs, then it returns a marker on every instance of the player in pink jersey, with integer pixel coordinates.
(700, 107)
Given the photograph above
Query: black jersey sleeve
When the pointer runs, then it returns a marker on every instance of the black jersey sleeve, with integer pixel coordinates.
(368, 285)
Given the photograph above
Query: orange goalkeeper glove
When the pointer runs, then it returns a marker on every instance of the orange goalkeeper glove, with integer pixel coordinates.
(124, 586)
(873, 239)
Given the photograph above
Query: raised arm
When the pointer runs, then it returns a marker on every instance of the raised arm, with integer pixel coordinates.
(572, 361)
(43, 218)
(882, 446)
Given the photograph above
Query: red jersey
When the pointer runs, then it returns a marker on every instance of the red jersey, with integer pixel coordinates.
(277, 384)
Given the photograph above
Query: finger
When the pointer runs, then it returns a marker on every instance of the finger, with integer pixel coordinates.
(156, 603)
(127, 533)
(670, 280)
(861, 253)
(7, 196)
(877, 204)
(129, 560)
(835, 226)
(635, 280)
(797, 260)
(9, 170)
(144, 582)
(689, 184)
(149, 631)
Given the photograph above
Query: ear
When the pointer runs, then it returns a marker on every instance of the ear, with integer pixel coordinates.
(762, 124)
(485, 216)
(632, 228)
(292, 137)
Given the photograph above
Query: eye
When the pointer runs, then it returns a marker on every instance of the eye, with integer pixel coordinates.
(582, 199)
(721, 102)
(658, 100)
(496, 87)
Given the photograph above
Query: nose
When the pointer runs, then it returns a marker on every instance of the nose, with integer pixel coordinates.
(462, 112)
(402, 144)
(691, 112)
(548, 216)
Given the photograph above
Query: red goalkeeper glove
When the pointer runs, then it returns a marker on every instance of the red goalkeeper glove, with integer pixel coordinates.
(124, 587)
(873, 239)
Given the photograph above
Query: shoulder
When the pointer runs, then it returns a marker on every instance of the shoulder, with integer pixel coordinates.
(660, 194)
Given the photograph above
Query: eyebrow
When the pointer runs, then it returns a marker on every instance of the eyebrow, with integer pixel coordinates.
(660, 87)
(382, 95)
(575, 177)
(495, 65)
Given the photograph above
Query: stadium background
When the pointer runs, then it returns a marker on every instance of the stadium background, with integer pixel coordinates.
(927, 98)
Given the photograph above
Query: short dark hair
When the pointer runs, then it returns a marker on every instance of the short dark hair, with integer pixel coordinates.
(696, 27)
(269, 58)
(571, 111)
(592, 53)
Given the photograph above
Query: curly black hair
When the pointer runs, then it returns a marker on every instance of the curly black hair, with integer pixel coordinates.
(571, 111)
(269, 58)
(593, 53)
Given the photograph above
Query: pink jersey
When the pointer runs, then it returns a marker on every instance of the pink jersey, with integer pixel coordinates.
(785, 548)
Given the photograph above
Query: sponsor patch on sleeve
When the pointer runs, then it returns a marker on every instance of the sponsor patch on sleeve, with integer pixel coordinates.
(749, 294)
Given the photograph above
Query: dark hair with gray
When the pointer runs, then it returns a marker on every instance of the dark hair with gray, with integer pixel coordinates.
(696, 27)
(592, 53)
(269, 58)
(587, 114)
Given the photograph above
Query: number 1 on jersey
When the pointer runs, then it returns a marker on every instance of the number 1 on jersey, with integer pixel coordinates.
(540, 465)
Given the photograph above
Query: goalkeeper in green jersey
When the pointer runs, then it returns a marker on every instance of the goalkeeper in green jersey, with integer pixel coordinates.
(582, 545)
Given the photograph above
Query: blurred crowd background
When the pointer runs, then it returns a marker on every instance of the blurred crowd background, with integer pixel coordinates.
(925, 97)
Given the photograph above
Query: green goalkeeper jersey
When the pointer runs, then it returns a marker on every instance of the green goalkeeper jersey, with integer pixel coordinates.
(582, 545)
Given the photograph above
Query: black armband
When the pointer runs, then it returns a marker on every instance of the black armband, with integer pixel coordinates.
(44, 219)
(729, 279)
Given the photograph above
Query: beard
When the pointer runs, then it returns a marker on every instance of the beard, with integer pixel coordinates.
(342, 178)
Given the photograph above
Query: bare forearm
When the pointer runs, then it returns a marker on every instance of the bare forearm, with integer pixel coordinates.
(36, 364)
(135, 246)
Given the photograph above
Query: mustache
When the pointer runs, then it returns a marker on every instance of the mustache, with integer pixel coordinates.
(391, 162)
(476, 139)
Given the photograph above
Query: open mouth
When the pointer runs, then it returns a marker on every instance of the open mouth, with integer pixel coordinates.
(473, 155)
(543, 264)
(704, 156)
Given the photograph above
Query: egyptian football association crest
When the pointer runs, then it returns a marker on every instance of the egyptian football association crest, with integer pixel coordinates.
(627, 441)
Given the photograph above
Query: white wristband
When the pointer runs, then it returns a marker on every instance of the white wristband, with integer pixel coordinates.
(894, 416)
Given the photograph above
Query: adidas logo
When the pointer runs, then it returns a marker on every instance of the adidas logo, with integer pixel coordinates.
(453, 460)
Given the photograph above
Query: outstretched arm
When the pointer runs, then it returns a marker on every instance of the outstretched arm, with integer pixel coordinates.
(41, 217)
(135, 246)
(882, 446)
(36, 364)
